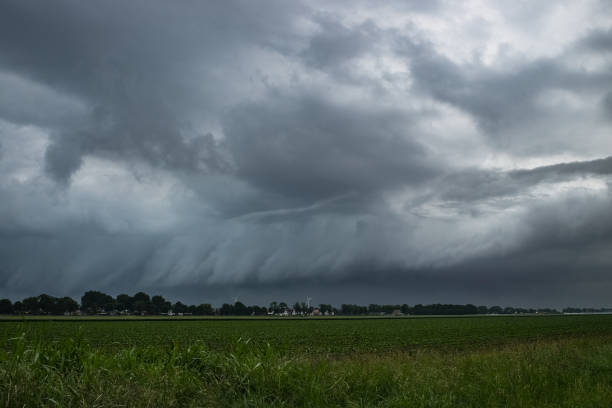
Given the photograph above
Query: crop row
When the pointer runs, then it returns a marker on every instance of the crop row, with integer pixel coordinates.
(318, 336)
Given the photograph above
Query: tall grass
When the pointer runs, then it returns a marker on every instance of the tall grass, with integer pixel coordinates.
(71, 373)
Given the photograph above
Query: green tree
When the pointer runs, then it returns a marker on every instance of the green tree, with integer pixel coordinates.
(93, 301)
(30, 304)
(6, 307)
(66, 304)
(179, 307)
(125, 302)
(142, 302)
(325, 308)
(226, 309)
(160, 305)
(240, 309)
(47, 304)
(18, 307)
(205, 309)
(495, 309)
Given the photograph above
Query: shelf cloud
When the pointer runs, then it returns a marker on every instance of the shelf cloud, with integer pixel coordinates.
(349, 151)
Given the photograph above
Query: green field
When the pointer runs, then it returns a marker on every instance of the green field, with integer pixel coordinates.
(455, 361)
(317, 335)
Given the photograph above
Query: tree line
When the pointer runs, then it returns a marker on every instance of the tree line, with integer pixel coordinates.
(437, 309)
(95, 302)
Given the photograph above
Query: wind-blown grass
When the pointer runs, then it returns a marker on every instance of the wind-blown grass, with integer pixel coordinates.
(71, 373)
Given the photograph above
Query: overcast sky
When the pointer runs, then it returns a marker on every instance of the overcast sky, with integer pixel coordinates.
(426, 151)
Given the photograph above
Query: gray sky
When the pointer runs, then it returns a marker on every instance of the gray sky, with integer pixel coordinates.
(356, 151)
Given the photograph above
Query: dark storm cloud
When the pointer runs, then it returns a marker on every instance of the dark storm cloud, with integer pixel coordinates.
(310, 148)
(599, 166)
(572, 225)
(336, 44)
(127, 63)
(472, 185)
(268, 149)
(599, 40)
(607, 102)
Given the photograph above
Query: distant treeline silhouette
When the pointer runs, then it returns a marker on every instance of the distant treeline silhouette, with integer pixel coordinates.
(98, 303)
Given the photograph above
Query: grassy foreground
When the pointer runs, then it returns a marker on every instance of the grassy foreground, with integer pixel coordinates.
(70, 372)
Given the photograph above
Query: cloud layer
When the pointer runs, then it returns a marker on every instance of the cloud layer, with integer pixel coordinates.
(352, 152)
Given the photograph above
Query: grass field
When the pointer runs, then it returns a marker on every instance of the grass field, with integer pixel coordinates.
(460, 361)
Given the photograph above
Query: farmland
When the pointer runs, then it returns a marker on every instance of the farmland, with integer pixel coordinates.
(316, 335)
(460, 361)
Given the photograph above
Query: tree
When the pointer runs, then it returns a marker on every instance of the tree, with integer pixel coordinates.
(348, 309)
(160, 305)
(471, 309)
(66, 304)
(495, 310)
(110, 305)
(94, 301)
(30, 304)
(18, 307)
(205, 309)
(124, 302)
(226, 309)
(325, 308)
(240, 309)
(258, 310)
(47, 304)
(179, 308)
(6, 307)
(142, 302)
(374, 308)
(142, 297)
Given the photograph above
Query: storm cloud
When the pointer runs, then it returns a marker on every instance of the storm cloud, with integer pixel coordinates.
(352, 152)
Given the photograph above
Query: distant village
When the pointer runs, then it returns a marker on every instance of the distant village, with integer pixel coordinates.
(95, 303)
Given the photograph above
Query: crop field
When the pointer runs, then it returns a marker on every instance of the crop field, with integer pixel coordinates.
(316, 335)
(514, 361)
